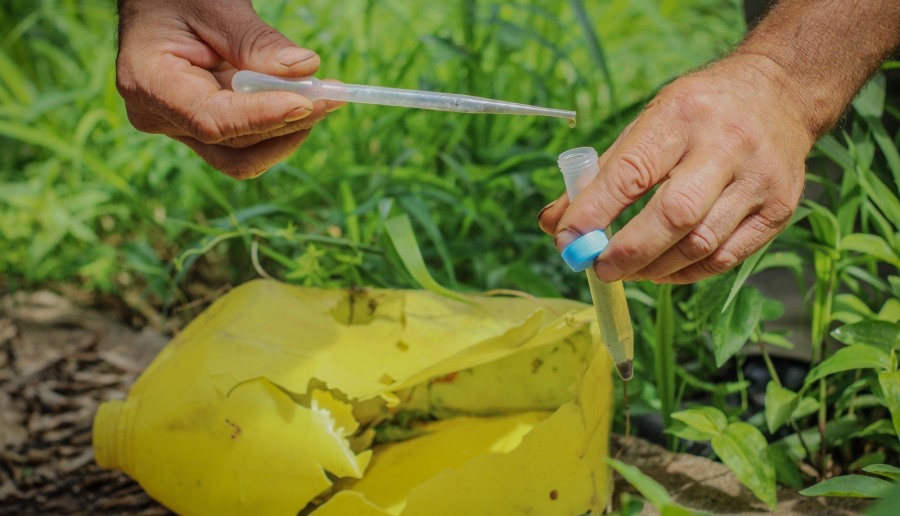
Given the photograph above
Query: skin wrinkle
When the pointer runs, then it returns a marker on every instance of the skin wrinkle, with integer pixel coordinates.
(699, 243)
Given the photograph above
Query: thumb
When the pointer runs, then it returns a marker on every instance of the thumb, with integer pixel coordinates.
(236, 32)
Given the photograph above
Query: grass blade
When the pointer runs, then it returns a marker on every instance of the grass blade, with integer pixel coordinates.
(400, 232)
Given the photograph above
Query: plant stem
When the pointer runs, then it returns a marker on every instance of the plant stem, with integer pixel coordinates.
(664, 357)
(627, 408)
(826, 277)
(740, 374)
(769, 365)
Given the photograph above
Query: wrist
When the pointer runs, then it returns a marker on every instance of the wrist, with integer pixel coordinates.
(823, 52)
(770, 94)
(808, 92)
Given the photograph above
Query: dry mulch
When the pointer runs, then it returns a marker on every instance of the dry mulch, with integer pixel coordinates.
(57, 364)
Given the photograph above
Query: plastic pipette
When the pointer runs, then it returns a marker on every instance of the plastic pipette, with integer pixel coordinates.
(579, 167)
(251, 82)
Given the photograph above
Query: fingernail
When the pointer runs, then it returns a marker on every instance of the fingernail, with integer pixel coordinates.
(607, 271)
(544, 228)
(293, 55)
(564, 237)
(297, 114)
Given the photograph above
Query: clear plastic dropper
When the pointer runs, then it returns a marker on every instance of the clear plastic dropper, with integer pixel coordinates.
(251, 82)
(579, 167)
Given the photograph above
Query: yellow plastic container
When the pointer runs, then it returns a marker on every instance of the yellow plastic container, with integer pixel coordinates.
(267, 403)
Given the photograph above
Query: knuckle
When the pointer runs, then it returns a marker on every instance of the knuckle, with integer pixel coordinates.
(256, 38)
(699, 243)
(722, 260)
(679, 209)
(740, 137)
(205, 128)
(772, 217)
(692, 98)
(624, 252)
(633, 175)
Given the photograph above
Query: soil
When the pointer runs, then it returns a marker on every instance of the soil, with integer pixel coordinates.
(58, 362)
(704, 485)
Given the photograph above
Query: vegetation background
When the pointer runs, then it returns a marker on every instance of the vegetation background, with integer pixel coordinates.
(108, 215)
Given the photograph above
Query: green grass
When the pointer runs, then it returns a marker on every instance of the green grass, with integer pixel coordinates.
(84, 198)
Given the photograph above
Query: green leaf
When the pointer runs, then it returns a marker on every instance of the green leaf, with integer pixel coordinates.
(859, 356)
(879, 334)
(854, 486)
(824, 224)
(881, 195)
(771, 309)
(776, 339)
(630, 505)
(733, 328)
(655, 493)
(786, 470)
(866, 461)
(744, 450)
(675, 510)
(780, 404)
(832, 148)
(688, 433)
(805, 407)
(884, 470)
(750, 264)
(890, 310)
(871, 245)
(400, 232)
(888, 504)
(709, 297)
(870, 99)
(791, 261)
(424, 218)
(890, 387)
(706, 421)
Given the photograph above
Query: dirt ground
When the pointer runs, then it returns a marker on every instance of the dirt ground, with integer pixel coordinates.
(59, 362)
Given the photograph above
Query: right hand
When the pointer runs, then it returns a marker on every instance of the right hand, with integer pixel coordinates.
(726, 145)
(174, 69)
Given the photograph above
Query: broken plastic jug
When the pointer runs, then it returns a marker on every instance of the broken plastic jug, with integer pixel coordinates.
(280, 399)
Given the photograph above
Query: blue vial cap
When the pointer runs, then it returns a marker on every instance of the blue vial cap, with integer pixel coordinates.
(580, 254)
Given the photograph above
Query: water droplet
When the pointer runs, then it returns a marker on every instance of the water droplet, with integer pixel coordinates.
(572, 122)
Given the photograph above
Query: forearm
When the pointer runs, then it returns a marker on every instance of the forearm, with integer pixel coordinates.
(824, 51)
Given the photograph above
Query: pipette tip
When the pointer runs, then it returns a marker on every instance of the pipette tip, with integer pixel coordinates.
(626, 369)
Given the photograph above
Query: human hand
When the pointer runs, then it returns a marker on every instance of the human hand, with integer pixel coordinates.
(174, 69)
(727, 147)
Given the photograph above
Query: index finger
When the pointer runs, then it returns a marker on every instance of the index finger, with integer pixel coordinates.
(640, 160)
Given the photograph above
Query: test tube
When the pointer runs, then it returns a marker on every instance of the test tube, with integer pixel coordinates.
(579, 167)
